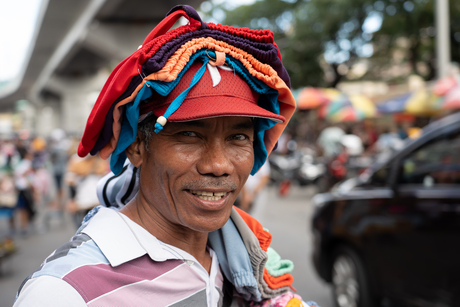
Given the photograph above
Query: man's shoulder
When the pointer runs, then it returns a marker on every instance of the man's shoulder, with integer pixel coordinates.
(81, 250)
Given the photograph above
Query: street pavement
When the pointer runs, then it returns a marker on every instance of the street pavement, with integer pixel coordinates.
(31, 251)
(287, 218)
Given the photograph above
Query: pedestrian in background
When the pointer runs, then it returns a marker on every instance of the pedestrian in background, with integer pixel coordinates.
(82, 177)
(24, 175)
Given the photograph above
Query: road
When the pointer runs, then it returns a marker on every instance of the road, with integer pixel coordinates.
(286, 218)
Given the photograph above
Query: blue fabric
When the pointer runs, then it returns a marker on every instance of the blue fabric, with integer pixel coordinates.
(268, 100)
(234, 260)
(179, 99)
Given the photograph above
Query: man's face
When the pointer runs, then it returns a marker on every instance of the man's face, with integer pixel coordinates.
(195, 170)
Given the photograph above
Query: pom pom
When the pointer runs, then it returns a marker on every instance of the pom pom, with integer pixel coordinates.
(162, 120)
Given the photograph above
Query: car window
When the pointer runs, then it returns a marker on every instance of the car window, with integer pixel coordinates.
(380, 177)
(437, 162)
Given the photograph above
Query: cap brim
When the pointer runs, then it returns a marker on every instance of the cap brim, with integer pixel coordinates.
(204, 107)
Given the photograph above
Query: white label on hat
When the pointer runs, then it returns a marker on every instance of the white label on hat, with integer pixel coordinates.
(215, 75)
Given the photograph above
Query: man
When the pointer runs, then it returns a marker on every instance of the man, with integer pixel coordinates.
(193, 130)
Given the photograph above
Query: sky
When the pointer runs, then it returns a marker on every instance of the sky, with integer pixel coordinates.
(17, 23)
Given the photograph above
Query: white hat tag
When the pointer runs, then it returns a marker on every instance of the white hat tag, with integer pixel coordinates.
(212, 67)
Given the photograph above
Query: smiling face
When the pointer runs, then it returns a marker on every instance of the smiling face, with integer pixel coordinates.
(194, 170)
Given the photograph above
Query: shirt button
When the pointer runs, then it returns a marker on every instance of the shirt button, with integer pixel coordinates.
(189, 262)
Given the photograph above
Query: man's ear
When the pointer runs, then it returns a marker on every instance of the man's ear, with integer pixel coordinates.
(136, 151)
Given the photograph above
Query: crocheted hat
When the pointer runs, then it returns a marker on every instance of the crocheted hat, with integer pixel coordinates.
(160, 63)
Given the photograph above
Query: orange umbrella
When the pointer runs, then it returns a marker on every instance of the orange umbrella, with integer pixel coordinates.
(311, 97)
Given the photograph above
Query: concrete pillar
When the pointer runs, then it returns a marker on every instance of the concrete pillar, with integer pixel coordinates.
(47, 117)
(77, 99)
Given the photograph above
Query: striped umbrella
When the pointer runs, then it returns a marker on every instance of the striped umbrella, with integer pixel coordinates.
(416, 102)
(350, 108)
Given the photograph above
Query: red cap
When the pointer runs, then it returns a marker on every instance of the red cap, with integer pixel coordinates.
(232, 96)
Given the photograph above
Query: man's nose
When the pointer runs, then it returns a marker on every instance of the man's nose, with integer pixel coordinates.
(215, 160)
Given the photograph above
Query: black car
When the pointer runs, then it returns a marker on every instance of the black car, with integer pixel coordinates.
(392, 235)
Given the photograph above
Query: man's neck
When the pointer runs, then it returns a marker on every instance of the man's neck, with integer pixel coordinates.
(192, 242)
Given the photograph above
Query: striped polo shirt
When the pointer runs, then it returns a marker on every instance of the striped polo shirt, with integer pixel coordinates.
(115, 262)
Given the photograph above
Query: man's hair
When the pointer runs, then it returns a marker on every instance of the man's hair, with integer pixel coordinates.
(146, 128)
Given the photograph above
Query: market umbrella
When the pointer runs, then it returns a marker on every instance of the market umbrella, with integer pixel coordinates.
(394, 105)
(446, 93)
(451, 101)
(444, 85)
(348, 108)
(416, 102)
(313, 97)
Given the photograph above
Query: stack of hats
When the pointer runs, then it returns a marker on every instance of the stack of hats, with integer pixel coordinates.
(156, 68)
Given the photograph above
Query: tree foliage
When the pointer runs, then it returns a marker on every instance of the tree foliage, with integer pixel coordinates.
(321, 41)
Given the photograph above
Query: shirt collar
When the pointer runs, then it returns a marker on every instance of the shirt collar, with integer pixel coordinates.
(121, 240)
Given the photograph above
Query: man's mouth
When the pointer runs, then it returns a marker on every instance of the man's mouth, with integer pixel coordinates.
(208, 195)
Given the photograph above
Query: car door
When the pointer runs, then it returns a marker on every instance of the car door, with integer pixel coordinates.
(423, 251)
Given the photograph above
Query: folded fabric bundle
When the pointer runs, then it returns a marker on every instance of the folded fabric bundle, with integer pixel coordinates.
(272, 282)
(265, 53)
(264, 237)
(257, 255)
(284, 280)
(277, 266)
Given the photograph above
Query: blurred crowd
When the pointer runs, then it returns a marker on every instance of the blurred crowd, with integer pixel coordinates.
(40, 180)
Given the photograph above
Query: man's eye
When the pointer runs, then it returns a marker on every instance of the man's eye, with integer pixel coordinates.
(188, 133)
(239, 137)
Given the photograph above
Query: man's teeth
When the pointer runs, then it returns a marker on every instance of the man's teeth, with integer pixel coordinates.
(209, 195)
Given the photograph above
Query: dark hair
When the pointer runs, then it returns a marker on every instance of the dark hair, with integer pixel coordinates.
(146, 128)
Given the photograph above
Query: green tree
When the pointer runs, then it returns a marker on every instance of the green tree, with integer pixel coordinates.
(322, 40)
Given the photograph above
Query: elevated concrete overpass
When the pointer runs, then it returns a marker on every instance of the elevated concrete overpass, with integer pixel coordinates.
(78, 44)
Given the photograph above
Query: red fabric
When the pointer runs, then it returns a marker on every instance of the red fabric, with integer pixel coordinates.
(167, 23)
(264, 237)
(262, 36)
(284, 280)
